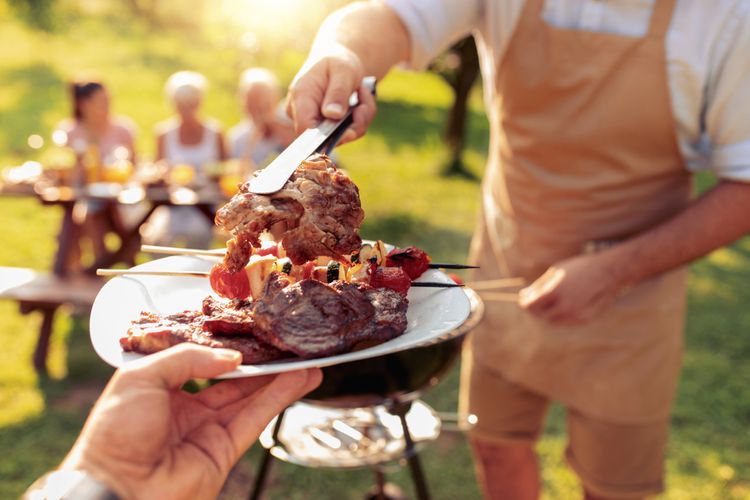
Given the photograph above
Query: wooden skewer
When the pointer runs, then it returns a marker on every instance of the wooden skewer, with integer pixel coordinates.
(500, 297)
(218, 252)
(138, 272)
(496, 284)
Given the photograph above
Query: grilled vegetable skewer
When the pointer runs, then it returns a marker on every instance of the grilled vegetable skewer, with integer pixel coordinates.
(219, 252)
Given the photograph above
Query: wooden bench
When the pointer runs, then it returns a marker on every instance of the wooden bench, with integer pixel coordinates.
(35, 291)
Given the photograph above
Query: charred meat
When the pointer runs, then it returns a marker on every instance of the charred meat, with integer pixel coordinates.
(312, 319)
(316, 213)
(308, 318)
(228, 318)
(152, 333)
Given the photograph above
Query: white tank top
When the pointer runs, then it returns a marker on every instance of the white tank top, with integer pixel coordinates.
(198, 155)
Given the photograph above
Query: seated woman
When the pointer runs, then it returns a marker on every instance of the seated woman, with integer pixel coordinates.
(265, 129)
(98, 138)
(93, 125)
(186, 141)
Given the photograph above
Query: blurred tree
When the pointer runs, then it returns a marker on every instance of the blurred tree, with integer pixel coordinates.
(187, 14)
(459, 67)
(38, 14)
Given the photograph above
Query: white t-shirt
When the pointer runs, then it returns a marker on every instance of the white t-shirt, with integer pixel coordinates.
(708, 59)
(239, 143)
(240, 137)
(197, 155)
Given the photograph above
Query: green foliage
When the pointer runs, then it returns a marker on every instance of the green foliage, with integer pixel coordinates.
(37, 14)
(397, 166)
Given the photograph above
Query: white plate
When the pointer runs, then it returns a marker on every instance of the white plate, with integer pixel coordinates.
(432, 312)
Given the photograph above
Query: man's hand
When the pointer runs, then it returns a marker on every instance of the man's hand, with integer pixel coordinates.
(322, 88)
(146, 438)
(573, 291)
(361, 39)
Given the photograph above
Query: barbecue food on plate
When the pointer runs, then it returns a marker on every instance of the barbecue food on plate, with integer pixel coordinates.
(316, 291)
(316, 213)
(306, 318)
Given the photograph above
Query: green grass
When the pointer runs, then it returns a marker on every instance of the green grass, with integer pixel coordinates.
(397, 166)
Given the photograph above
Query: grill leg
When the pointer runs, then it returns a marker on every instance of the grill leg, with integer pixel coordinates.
(412, 458)
(265, 463)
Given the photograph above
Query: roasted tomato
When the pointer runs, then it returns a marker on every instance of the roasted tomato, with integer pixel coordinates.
(411, 259)
(228, 284)
(307, 269)
(394, 278)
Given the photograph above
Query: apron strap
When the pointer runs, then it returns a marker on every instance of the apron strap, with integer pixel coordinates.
(661, 18)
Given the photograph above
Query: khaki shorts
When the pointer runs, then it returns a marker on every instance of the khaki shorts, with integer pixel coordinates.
(612, 460)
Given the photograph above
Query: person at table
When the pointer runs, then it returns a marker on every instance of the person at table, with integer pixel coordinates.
(265, 129)
(595, 111)
(146, 438)
(99, 139)
(188, 143)
(93, 125)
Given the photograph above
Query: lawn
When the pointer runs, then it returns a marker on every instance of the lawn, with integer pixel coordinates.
(397, 166)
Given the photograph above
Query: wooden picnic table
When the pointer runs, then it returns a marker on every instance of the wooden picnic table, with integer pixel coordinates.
(45, 292)
(112, 196)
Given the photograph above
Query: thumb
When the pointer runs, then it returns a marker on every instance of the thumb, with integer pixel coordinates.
(542, 293)
(174, 366)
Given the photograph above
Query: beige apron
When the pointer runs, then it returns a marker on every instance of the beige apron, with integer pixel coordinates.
(583, 152)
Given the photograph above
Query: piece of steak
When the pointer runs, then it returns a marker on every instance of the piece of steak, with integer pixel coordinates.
(152, 333)
(313, 319)
(389, 319)
(223, 317)
(317, 213)
(308, 318)
(390, 314)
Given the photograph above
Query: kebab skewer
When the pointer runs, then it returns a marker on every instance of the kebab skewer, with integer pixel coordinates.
(371, 265)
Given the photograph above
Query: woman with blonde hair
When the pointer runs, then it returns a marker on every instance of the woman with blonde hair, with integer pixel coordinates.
(186, 141)
(265, 128)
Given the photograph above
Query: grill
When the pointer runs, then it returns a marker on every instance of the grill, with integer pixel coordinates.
(367, 413)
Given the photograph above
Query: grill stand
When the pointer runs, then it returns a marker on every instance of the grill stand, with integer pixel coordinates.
(411, 455)
(265, 462)
(410, 452)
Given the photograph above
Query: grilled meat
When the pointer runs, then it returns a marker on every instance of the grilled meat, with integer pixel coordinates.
(389, 319)
(316, 213)
(312, 319)
(307, 318)
(233, 317)
(152, 333)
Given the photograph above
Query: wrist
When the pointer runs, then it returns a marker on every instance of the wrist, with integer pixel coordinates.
(82, 461)
(65, 484)
(619, 266)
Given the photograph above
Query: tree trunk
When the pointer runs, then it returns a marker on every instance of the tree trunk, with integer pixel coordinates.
(466, 75)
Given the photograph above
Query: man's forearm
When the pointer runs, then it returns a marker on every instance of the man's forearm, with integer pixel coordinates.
(715, 219)
(369, 29)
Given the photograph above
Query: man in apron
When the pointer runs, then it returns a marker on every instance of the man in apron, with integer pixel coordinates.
(597, 108)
